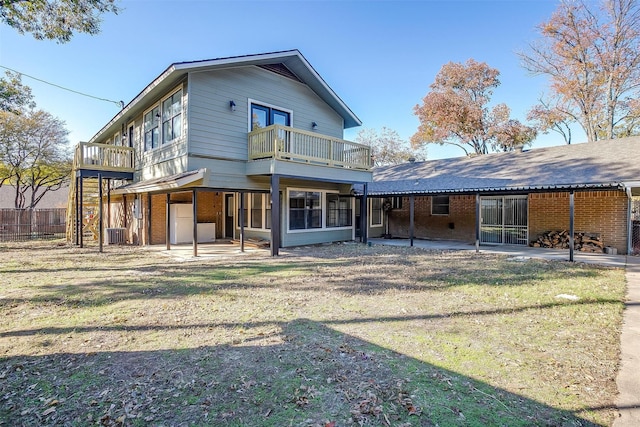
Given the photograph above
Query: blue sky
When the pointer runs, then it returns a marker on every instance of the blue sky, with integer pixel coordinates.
(379, 56)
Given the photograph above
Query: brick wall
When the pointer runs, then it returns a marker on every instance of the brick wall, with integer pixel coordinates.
(158, 218)
(458, 225)
(209, 210)
(600, 212)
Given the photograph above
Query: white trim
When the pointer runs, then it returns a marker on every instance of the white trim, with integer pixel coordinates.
(132, 143)
(266, 201)
(266, 104)
(370, 208)
(144, 130)
(158, 104)
(179, 88)
(323, 207)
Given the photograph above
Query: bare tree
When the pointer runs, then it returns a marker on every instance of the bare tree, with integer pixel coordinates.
(34, 155)
(591, 56)
(552, 116)
(388, 148)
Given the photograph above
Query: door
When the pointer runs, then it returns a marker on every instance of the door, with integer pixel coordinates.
(228, 215)
(504, 220)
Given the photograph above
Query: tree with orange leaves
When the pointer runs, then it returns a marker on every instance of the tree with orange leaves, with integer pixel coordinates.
(592, 59)
(456, 112)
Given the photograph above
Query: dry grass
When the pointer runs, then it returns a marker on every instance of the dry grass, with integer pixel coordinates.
(331, 335)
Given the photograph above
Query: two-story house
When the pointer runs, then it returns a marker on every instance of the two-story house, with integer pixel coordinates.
(240, 147)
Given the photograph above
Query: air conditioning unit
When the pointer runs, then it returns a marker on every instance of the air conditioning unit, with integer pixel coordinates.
(116, 236)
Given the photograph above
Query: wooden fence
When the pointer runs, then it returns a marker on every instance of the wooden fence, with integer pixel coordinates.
(32, 224)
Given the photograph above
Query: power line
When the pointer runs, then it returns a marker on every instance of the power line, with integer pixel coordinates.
(118, 103)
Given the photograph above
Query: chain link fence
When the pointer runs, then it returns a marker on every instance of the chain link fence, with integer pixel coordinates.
(32, 224)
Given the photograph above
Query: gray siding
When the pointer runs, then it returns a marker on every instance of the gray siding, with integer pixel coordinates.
(218, 132)
(310, 238)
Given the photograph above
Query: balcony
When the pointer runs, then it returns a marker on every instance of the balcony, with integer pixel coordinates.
(104, 157)
(294, 145)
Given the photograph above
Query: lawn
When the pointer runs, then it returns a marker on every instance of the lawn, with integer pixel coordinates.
(328, 336)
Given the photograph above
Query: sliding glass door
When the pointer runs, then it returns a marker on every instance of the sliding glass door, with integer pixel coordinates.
(504, 220)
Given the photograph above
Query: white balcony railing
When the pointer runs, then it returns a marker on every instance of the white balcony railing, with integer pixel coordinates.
(289, 144)
(105, 157)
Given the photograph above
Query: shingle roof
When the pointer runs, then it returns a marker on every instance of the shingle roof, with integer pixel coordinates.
(602, 164)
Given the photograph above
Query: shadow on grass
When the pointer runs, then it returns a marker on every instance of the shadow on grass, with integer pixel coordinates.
(305, 373)
(253, 324)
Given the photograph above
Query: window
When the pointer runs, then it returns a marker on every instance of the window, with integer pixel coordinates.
(245, 211)
(263, 116)
(440, 205)
(172, 117)
(338, 211)
(396, 202)
(305, 210)
(376, 212)
(151, 131)
(257, 211)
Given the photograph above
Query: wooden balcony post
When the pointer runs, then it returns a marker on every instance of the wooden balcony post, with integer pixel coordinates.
(331, 144)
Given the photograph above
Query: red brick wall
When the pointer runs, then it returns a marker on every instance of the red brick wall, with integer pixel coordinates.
(158, 218)
(600, 212)
(209, 210)
(458, 225)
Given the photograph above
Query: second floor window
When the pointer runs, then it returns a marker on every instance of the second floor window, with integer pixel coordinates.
(263, 116)
(151, 130)
(172, 117)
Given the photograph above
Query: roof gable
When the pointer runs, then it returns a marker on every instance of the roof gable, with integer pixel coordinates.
(280, 69)
(288, 63)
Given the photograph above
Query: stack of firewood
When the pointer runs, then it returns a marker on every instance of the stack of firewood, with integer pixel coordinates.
(583, 242)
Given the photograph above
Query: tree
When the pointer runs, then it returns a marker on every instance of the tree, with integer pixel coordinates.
(34, 156)
(14, 96)
(592, 59)
(55, 19)
(551, 116)
(456, 112)
(388, 148)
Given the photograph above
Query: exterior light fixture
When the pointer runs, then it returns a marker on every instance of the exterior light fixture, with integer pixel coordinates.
(314, 125)
(232, 106)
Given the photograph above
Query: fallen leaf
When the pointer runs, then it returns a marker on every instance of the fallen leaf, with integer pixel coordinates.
(49, 411)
